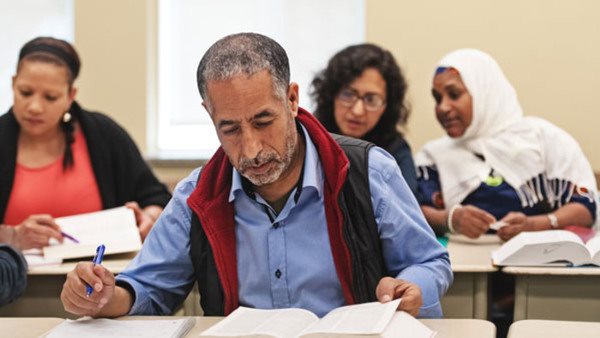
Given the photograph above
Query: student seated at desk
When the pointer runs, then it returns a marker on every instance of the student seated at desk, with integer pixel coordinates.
(283, 215)
(59, 159)
(496, 164)
(361, 94)
(13, 274)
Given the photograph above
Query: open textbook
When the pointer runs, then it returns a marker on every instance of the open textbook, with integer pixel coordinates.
(544, 248)
(109, 328)
(361, 320)
(115, 228)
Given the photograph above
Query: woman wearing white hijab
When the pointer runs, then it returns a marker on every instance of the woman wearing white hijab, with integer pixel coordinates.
(496, 167)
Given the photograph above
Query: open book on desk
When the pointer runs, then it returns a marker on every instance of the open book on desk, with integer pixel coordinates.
(115, 228)
(110, 328)
(361, 320)
(548, 248)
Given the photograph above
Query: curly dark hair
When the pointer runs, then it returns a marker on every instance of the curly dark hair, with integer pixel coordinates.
(347, 65)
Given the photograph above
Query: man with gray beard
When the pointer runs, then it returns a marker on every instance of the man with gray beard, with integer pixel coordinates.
(283, 215)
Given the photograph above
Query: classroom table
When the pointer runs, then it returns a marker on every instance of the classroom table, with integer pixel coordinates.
(553, 329)
(558, 293)
(466, 298)
(19, 327)
(447, 328)
(44, 284)
(472, 265)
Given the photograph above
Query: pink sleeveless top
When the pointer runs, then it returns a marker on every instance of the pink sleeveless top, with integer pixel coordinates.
(50, 190)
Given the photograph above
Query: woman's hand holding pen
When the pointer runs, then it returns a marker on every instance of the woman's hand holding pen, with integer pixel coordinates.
(35, 232)
(74, 295)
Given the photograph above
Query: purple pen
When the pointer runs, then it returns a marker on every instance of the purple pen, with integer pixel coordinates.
(66, 235)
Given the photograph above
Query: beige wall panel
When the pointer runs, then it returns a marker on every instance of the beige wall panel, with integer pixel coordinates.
(549, 50)
(111, 37)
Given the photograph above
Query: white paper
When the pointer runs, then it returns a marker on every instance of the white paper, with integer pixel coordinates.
(110, 328)
(248, 322)
(404, 325)
(540, 248)
(35, 257)
(367, 318)
(361, 320)
(497, 225)
(115, 228)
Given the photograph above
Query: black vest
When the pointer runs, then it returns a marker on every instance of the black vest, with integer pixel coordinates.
(360, 234)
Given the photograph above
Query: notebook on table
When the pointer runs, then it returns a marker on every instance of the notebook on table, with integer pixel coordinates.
(111, 328)
(115, 228)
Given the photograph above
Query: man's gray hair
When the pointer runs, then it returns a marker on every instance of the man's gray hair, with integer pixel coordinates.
(244, 53)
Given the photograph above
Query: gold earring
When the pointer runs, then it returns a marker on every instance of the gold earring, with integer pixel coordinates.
(66, 117)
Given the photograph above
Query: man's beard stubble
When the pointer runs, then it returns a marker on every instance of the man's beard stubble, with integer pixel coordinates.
(279, 164)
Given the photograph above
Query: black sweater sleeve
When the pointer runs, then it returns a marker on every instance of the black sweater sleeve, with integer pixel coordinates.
(121, 172)
(136, 177)
(13, 274)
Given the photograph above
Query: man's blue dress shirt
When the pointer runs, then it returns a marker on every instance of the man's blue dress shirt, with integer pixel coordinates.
(288, 262)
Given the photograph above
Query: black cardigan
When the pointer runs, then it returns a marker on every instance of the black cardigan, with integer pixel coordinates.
(13, 274)
(121, 172)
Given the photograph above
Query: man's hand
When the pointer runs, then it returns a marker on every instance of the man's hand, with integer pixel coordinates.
(35, 232)
(74, 295)
(472, 221)
(390, 288)
(517, 222)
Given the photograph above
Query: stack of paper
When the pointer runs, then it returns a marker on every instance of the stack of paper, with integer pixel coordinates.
(110, 328)
(115, 228)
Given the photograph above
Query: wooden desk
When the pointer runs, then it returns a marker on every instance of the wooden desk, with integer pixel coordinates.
(466, 298)
(447, 328)
(44, 284)
(553, 329)
(556, 293)
(27, 327)
(461, 328)
(471, 264)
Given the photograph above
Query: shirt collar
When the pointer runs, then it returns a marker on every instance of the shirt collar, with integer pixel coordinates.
(313, 171)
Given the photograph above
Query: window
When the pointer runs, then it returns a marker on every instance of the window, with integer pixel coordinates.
(311, 31)
(22, 21)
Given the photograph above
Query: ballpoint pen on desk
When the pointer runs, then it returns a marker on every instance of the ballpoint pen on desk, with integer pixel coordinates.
(66, 235)
(97, 260)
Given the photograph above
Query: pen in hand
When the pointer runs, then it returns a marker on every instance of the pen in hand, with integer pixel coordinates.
(97, 260)
(66, 235)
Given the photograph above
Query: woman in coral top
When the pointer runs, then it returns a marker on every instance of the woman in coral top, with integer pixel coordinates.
(57, 159)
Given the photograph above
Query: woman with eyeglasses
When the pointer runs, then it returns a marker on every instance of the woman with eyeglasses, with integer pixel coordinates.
(361, 94)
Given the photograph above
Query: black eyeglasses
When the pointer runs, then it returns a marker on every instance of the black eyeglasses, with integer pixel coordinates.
(372, 102)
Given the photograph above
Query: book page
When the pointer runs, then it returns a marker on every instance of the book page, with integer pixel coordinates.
(365, 319)
(35, 257)
(593, 246)
(115, 228)
(97, 328)
(404, 325)
(247, 322)
(526, 245)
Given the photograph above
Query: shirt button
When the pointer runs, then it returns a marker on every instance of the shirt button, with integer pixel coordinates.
(276, 225)
(278, 274)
